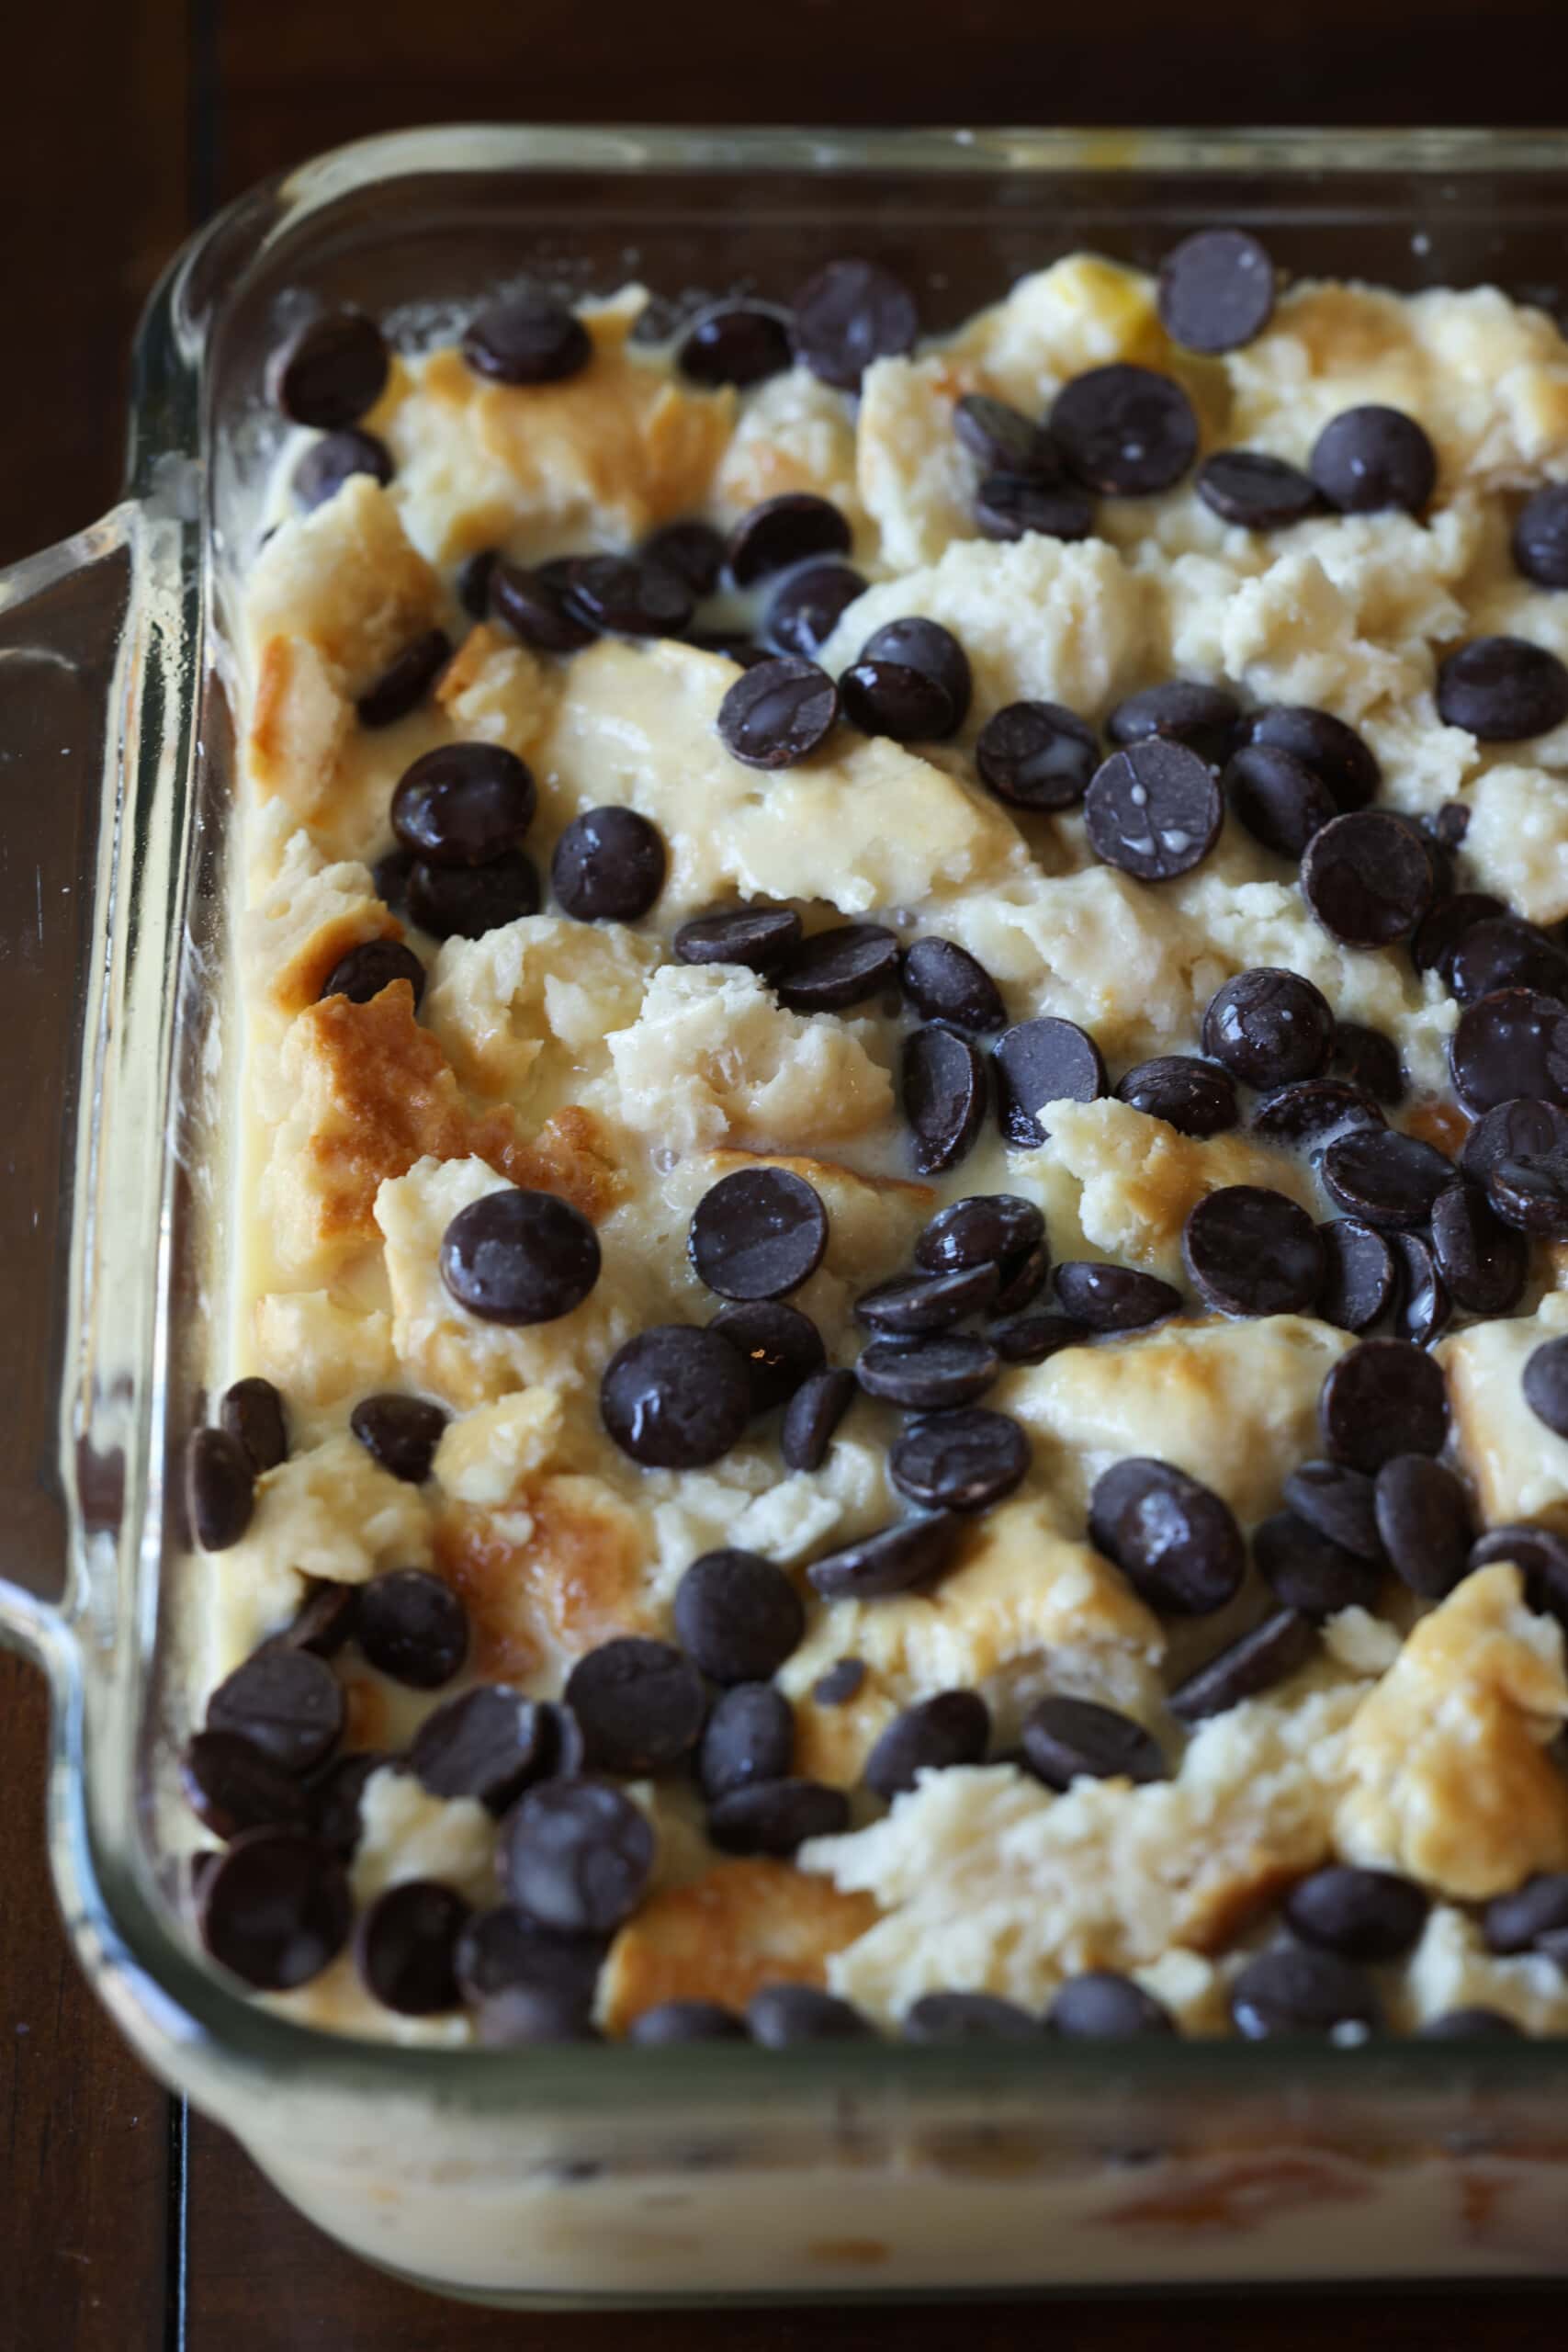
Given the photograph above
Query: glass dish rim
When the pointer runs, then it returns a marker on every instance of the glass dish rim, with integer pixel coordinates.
(141, 1962)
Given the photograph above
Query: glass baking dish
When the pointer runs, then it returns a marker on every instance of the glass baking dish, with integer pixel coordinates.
(583, 2174)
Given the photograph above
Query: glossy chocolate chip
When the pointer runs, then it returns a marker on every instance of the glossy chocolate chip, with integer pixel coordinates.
(1031, 1339)
(1256, 491)
(232, 1785)
(276, 1909)
(1424, 1304)
(459, 902)
(1101, 2005)
(405, 1943)
(219, 1488)
(1502, 689)
(400, 1432)
(1112, 1298)
(900, 1558)
(811, 1417)
(1361, 1914)
(1483, 1262)
(335, 458)
(337, 1798)
(777, 1817)
(675, 2024)
(1501, 952)
(833, 969)
(627, 595)
(986, 1228)
(782, 531)
(1368, 459)
(1005, 440)
(944, 1090)
(390, 876)
(1181, 710)
(1266, 1657)
(1154, 810)
(963, 1460)
(1368, 1060)
(1472, 2024)
(1386, 1178)
(1382, 1398)
(1539, 541)
(501, 1951)
(473, 582)
(1175, 1540)
(1340, 1503)
(576, 1855)
(1013, 506)
(464, 804)
(323, 1621)
(1307, 1571)
(841, 1682)
(946, 983)
(1215, 291)
(609, 866)
(934, 652)
(1544, 1384)
(675, 1397)
(1293, 1989)
(1367, 878)
(1197, 1098)
(1541, 1553)
(1326, 744)
(487, 1743)
(758, 1233)
(639, 1704)
(561, 1744)
(413, 1627)
(1268, 1027)
(781, 1348)
(1515, 1922)
(909, 1305)
(759, 938)
(1312, 1111)
(533, 605)
(808, 608)
(738, 1616)
(1520, 1129)
(1023, 1278)
(371, 966)
(1360, 1275)
(1037, 756)
(848, 314)
(1251, 1252)
(782, 2016)
(749, 1740)
(735, 343)
(953, 1728)
(286, 1702)
(693, 551)
(404, 685)
(929, 1375)
(1125, 431)
(253, 1414)
(331, 371)
(1527, 1195)
(517, 1257)
(1038, 1062)
(1065, 1739)
(893, 699)
(1512, 1043)
(949, 2021)
(526, 339)
(1277, 798)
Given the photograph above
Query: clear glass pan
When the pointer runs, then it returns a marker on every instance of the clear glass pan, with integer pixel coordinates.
(585, 2174)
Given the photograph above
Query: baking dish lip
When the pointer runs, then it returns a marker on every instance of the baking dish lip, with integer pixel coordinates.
(173, 2007)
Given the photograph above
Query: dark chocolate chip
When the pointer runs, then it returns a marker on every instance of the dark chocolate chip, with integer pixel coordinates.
(1340, 1503)
(1326, 744)
(276, 1909)
(219, 1488)
(1125, 431)
(641, 1705)
(400, 1432)
(1023, 1278)
(1030, 1339)
(1502, 689)
(1370, 458)
(337, 1801)
(948, 2020)
(841, 1682)
(331, 371)
(985, 1229)
(609, 866)
(777, 1817)
(464, 804)
(576, 1855)
(1518, 1130)
(1483, 1262)
(528, 2014)
(1013, 506)
(925, 647)
(909, 1305)
(929, 1375)
(1256, 491)
(758, 1233)
(1540, 1553)
(893, 699)
(1181, 710)
(1175, 1540)
(736, 342)
(1516, 1921)
(1385, 1177)
(783, 531)
(953, 1728)
(1154, 810)
(1279, 800)
(738, 1616)
(1291, 1989)
(1472, 2024)
(503, 1950)
(1362, 1915)
(960, 1460)
(1528, 1195)
(1544, 1384)
(749, 1740)
(324, 1620)
(1065, 1739)
(1004, 439)
(1101, 2006)
(403, 687)
(1113, 1298)
(1312, 1111)
(1196, 1098)
(1038, 1062)
(1037, 756)
(1360, 1276)
(781, 2016)
(946, 983)
(464, 902)
(1368, 1060)
(675, 2024)
(834, 970)
(413, 1627)
(1512, 1043)
(675, 1397)
(627, 595)
(944, 1090)
(390, 876)
(287, 1702)
(517, 1257)
(1251, 1252)
(252, 1413)
(335, 458)
(1266, 1657)
(562, 1748)
(1539, 541)
(808, 608)
(533, 605)
(371, 966)
(693, 551)
(1269, 1027)
(1384, 1397)
(757, 937)
(909, 1553)
(405, 1943)
(526, 339)
(849, 314)
(1307, 1571)
(1215, 291)
(1425, 1306)
(487, 1743)
(781, 1346)
(1367, 878)
(1501, 952)
(811, 1417)
(733, 644)
(232, 1785)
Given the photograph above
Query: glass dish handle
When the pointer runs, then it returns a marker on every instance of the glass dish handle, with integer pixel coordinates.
(63, 617)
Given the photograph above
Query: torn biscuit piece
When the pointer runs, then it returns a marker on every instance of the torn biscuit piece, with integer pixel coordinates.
(344, 578)
(526, 1011)
(724, 1935)
(1517, 1466)
(303, 924)
(555, 1570)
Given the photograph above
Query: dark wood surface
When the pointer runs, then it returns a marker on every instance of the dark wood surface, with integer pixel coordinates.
(121, 2228)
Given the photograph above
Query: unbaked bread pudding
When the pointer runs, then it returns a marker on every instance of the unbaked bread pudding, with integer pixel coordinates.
(901, 1350)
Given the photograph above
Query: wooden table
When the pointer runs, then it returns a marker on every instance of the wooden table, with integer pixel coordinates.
(123, 2226)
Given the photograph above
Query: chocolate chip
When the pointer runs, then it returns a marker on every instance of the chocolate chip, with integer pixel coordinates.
(757, 937)
(1202, 718)
(777, 1817)
(1256, 491)
(1540, 1553)
(405, 1943)
(1512, 1043)
(337, 1801)
(1519, 1129)
(1385, 1177)
(736, 342)
(1291, 1989)
(1359, 1274)
(781, 2016)
(833, 969)
(1384, 1397)
(781, 1348)
(1312, 1111)
(323, 1621)
(674, 2024)
(1101, 2006)
(909, 1305)
(1194, 1097)
(961, 1461)
(1361, 1914)
(460, 902)
(1502, 689)
(811, 1417)
(676, 1398)
(1367, 878)
(641, 1705)
(1473, 2024)
(526, 339)
(533, 605)
(925, 647)
(911, 1552)
(894, 699)
(627, 595)
(1022, 1281)
(749, 1740)
(1113, 1298)
(953, 1728)
(502, 1950)
(944, 1089)
(371, 966)
(950, 2020)
(1176, 1541)
(985, 1229)
(529, 2015)
(946, 983)
(1250, 1251)
(1125, 431)
(738, 1616)
(400, 1432)
(783, 531)
(1215, 291)
(1004, 439)
(1153, 811)
(517, 1257)
(1326, 744)
(1340, 1503)
(473, 582)
(1528, 1195)
(840, 1683)
(286, 1702)
(1368, 1060)
(335, 458)
(413, 1627)
(1501, 952)
(1030, 1339)
(1483, 1262)
(576, 1855)
(232, 1785)
(1516, 1921)
(464, 804)
(219, 1488)
(331, 371)
(1307, 1571)
(1065, 1739)
(807, 606)
(927, 1375)
(1544, 1384)
(758, 1233)
(403, 687)
(390, 875)
(609, 866)
(487, 1743)
(1279, 799)
(1425, 1306)
(1038, 1062)
(1368, 459)
(1013, 506)
(733, 644)
(693, 551)
(1268, 1027)
(1539, 541)
(252, 1414)
(1037, 756)
(274, 1909)
(851, 313)
(1268, 1654)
